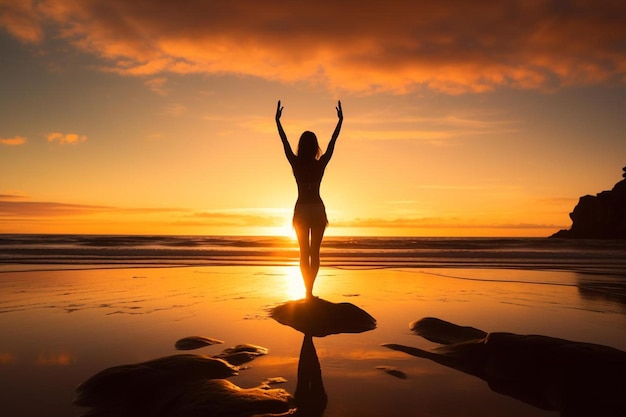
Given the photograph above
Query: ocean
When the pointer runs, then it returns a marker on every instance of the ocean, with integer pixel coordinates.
(32, 251)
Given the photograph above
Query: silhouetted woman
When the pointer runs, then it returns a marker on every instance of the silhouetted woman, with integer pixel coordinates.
(309, 216)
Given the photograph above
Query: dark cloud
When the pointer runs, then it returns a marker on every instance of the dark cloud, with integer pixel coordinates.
(452, 46)
(46, 209)
(11, 197)
(12, 206)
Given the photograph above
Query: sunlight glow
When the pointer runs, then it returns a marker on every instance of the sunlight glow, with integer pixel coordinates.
(284, 230)
(294, 285)
(287, 230)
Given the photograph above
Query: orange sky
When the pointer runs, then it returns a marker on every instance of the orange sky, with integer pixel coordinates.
(461, 118)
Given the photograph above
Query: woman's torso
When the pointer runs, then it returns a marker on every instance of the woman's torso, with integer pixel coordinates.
(309, 178)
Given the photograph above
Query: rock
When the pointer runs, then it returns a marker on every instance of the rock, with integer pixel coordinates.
(274, 380)
(602, 216)
(392, 371)
(141, 381)
(182, 386)
(195, 342)
(575, 378)
(222, 398)
(318, 317)
(241, 354)
(439, 331)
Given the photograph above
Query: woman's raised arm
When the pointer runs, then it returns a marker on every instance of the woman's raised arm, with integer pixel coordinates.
(281, 132)
(331, 145)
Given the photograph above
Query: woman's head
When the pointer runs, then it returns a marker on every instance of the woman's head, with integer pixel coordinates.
(308, 147)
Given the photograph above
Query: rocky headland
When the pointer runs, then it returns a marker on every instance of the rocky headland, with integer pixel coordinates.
(602, 216)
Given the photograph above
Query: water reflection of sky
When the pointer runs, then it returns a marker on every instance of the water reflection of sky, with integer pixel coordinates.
(605, 292)
(59, 328)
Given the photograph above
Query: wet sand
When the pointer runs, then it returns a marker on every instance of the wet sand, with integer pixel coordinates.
(61, 327)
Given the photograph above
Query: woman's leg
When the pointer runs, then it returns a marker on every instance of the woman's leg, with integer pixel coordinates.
(317, 234)
(305, 257)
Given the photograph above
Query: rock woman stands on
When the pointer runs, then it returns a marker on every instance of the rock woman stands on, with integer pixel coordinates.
(309, 217)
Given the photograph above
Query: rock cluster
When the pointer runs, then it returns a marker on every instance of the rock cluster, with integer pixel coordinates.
(602, 216)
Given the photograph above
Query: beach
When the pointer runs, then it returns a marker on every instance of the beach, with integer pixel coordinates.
(175, 177)
(61, 325)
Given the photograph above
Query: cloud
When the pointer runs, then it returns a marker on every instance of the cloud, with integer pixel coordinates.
(157, 85)
(398, 46)
(21, 19)
(20, 207)
(154, 137)
(28, 209)
(11, 197)
(238, 218)
(14, 141)
(436, 223)
(434, 130)
(65, 138)
(175, 109)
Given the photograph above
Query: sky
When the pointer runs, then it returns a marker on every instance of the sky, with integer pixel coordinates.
(461, 118)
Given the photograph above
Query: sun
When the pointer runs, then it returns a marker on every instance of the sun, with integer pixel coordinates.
(287, 230)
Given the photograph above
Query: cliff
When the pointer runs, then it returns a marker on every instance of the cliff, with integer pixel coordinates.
(602, 216)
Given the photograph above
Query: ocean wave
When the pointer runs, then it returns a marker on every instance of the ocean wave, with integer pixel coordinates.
(19, 252)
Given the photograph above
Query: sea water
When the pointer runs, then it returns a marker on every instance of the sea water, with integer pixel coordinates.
(20, 252)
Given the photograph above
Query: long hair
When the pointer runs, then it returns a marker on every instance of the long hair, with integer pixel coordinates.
(308, 147)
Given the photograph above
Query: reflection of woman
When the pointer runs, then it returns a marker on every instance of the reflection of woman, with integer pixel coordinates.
(311, 398)
(309, 217)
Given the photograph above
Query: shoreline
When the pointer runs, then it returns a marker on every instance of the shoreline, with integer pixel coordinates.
(47, 267)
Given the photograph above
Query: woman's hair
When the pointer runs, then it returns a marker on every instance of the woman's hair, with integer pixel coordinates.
(308, 148)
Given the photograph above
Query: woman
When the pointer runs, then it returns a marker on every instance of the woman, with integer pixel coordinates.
(309, 216)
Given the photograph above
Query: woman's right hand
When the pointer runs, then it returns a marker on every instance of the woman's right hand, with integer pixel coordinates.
(279, 111)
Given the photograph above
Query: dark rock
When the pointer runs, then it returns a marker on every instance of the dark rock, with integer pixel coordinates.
(446, 333)
(392, 371)
(575, 378)
(318, 317)
(602, 216)
(136, 382)
(181, 386)
(222, 398)
(241, 354)
(195, 342)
